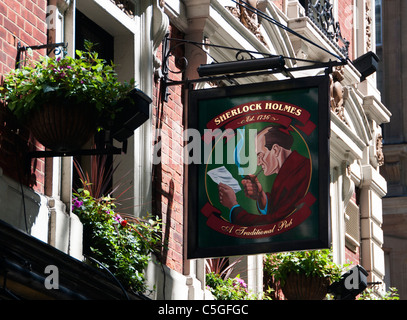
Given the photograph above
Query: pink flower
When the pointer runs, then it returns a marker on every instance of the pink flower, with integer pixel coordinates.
(241, 282)
(76, 204)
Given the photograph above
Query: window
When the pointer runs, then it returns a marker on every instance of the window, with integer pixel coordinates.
(378, 15)
(86, 29)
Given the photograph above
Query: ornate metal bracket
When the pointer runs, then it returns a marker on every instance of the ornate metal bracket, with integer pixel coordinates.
(182, 62)
(240, 55)
(51, 46)
(321, 13)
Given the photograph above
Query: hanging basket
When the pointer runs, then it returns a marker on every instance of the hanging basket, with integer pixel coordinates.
(301, 287)
(63, 125)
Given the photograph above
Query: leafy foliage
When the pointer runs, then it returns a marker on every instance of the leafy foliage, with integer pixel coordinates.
(121, 245)
(227, 289)
(372, 294)
(221, 266)
(311, 263)
(86, 78)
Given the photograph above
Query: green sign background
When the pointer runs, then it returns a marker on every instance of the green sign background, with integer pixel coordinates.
(207, 190)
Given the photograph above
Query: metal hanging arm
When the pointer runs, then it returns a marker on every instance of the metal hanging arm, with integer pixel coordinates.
(21, 49)
(168, 52)
(229, 70)
(241, 69)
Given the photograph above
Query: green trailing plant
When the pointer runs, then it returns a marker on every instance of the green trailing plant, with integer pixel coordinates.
(315, 263)
(227, 289)
(123, 246)
(372, 294)
(87, 80)
(221, 285)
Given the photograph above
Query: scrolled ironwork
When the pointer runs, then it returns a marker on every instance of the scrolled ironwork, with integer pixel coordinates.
(56, 47)
(59, 50)
(173, 48)
(180, 62)
(243, 55)
(321, 13)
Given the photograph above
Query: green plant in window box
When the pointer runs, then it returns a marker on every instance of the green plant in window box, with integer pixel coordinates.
(68, 89)
(122, 245)
(303, 274)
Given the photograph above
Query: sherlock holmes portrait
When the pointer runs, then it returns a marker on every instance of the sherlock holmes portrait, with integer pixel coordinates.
(274, 155)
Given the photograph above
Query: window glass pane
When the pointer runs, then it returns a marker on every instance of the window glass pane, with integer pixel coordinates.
(378, 15)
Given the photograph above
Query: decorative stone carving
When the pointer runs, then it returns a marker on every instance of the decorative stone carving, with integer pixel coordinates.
(127, 6)
(336, 91)
(348, 186)
(368, 17)
(379, 150)
(248, 18)
(62, 4)
(160, 28)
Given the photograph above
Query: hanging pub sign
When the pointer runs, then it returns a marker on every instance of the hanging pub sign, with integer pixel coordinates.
(258, 175)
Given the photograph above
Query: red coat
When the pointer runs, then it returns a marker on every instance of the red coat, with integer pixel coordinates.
(289, 188)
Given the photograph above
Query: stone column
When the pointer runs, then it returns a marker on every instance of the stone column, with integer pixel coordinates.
(373, 188)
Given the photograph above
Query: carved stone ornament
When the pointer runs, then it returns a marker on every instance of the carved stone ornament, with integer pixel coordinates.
(379, 150)
(127, 6)
(336, 91)
(62, 5)
(348, 186)
(248, 18)
(368, 17)
(160, 26)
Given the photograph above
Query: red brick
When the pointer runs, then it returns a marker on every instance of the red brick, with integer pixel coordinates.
(39, 36)
(9, 50)
(3, 8)
(29, 5)
(13, 5)
(345, 18)
(18, 23)
(29, 16)
(10, 26)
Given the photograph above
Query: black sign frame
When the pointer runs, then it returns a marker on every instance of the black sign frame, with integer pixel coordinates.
(321, 208)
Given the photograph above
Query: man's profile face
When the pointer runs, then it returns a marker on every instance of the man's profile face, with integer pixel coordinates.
(266, 158)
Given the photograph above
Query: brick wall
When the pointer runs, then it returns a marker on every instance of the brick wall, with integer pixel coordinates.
(168, 174)
(20, 21)
(345, 19)
(352, 256)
